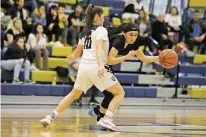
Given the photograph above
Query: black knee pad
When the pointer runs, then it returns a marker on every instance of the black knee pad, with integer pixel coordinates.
(107, 99)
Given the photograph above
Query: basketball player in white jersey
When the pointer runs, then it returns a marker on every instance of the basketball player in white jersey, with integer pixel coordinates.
(94, 42)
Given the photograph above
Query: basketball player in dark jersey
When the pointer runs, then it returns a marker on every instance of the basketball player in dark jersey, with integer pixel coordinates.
(122, 47)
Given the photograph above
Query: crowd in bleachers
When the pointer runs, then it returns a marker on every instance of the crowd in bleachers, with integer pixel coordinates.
(40, 22)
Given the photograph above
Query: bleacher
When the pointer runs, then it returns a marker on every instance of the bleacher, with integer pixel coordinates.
(136, 85)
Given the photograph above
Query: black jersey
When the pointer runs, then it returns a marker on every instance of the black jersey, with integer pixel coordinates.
(119, 42)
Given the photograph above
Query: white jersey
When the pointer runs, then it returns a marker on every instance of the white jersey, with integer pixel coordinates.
(89, 58)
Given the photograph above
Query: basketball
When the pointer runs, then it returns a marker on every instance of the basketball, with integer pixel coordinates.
(168, 58)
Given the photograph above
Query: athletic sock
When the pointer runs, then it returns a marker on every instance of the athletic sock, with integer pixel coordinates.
(54, 114)
(108, 114)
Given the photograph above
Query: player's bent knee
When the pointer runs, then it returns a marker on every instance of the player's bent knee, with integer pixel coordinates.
(116, 89)
(123, 92)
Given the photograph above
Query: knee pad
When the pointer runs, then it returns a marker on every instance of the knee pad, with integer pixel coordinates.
(107, 99)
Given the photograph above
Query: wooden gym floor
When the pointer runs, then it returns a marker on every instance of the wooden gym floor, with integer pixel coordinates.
(23, 121)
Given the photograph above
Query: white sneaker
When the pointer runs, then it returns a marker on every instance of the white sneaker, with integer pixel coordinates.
(46, 121)
(107, 123)
(34, 68)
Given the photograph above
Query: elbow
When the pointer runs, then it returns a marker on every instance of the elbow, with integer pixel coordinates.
(109, 62)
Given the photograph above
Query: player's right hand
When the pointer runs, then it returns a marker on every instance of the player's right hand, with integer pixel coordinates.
(100, 71)
(71, 57)
(131, 54)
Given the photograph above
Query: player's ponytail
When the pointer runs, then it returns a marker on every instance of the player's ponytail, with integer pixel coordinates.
(91, 12)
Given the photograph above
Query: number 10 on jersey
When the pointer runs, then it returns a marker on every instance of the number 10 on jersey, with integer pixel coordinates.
(87, 43)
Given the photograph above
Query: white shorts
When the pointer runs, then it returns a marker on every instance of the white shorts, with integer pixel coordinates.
(86, 79)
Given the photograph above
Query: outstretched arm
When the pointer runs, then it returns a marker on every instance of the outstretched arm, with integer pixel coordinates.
(146, 59)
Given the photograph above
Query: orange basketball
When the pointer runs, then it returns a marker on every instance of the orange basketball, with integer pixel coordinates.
(168, 58)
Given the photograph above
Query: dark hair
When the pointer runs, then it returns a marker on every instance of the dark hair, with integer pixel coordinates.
(129, 8)
(19, 37)
(14, 43)
(174, 7)
(41, 4)
(196, 11)
(79, 5)
(91, 11)
(130, 27)
(62, 5)
(15, 1)
(53, 7)
(34, 30)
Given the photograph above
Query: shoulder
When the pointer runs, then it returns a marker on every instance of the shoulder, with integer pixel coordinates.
(100, 28)
(31, 35)
(10, 31)
(202, 22)
(44, 35)
(168, 15)
(118, 40)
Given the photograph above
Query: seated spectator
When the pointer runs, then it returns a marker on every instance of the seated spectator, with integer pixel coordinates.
(138, 4)
(129, 14)
(75, 25)
(114, 20)
(53, 23)
(15, 31)
(36, 4)
(73, 69)
(37, 43)
(195, 33)
(28, 4)
(63, 22)
(160, 33)
(6, 4)
(144, 29)
(173, 20)
(17, 10)
(39, 15)
(15, 58)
